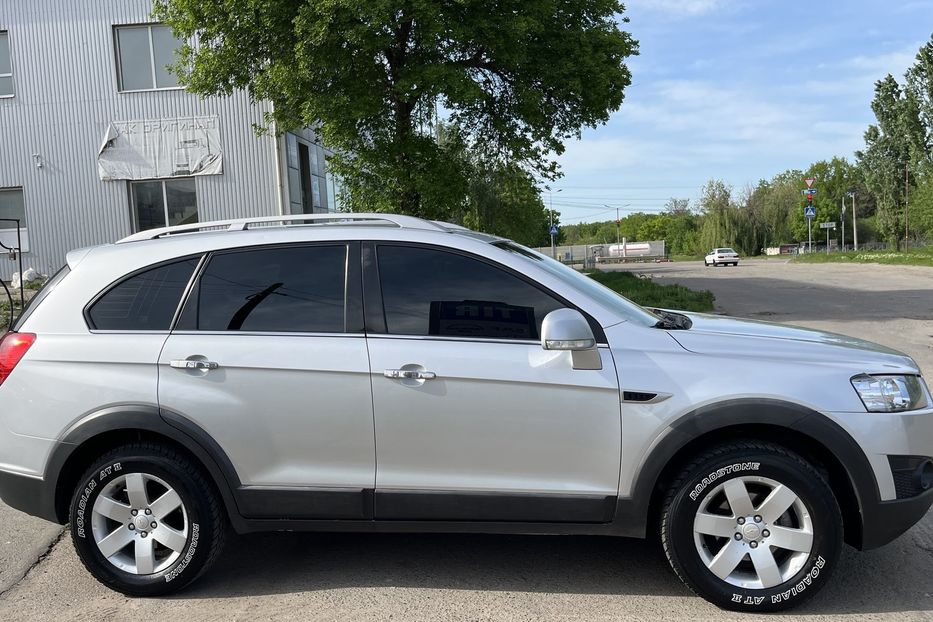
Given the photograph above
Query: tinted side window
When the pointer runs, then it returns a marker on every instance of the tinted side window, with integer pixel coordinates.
(289, 289)
(145, 301)
(432, 292)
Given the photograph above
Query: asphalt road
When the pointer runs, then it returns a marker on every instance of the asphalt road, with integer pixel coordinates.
(464, 577)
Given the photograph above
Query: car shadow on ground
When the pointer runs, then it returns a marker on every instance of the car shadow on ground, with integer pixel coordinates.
(267, 564)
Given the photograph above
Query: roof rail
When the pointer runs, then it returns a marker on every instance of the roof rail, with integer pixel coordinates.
(242, 224)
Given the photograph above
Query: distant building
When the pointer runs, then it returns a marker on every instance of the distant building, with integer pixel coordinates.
(97, 140)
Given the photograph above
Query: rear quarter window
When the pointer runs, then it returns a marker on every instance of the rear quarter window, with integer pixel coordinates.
(146, 300)
(33, 303)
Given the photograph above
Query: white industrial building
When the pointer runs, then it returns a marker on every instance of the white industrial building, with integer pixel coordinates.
(97, 140)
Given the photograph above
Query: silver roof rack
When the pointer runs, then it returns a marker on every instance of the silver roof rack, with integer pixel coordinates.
(242, 224)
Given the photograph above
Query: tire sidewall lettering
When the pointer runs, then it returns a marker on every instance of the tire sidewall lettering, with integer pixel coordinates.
(784, 595)
(189, 554)
(89, 487)
(696, 493)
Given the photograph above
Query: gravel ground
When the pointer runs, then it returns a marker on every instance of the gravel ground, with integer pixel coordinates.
(465, 577)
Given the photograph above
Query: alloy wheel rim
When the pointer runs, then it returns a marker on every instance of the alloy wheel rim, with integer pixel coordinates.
(140, 524)
(753, 532)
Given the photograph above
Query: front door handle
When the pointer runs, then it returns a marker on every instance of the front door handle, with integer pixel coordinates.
(194, 364)
(409, 374)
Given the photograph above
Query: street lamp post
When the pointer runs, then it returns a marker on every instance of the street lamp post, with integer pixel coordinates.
(551, 221)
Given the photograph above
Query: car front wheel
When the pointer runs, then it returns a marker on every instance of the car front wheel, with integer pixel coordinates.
(751, 526)
(145, 520)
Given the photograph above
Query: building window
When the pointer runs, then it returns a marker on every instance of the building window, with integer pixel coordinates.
(143, 55)
(165, 203)
(307, 187)
(12, 206)
(6, 65)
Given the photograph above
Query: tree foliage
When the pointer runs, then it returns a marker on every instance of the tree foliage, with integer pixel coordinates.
(520, 76)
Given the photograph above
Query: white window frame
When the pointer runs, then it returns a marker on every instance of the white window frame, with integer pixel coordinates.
(135, 212)
(152, 61)
(9, 75)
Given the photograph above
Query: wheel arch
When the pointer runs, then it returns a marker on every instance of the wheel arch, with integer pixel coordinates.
(807, 432)
(101, 431)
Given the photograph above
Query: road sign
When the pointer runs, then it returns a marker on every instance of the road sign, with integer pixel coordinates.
(827, 225)
(809, 181)
(809, 192)
(809, 212)
(554, 229)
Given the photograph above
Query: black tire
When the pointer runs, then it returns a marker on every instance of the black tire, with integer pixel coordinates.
(702, 477)
(202, 514)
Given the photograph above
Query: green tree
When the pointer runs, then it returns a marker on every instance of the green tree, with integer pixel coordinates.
(720, 222)
(504, 200)
(892, 147)
(521, 76)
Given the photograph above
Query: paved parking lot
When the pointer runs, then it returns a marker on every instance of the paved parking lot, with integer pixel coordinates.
(462, 577)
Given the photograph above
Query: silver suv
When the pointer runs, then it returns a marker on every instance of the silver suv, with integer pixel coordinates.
(386, 373)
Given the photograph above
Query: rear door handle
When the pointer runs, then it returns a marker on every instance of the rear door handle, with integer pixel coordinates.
(189, 364)
(409, 374)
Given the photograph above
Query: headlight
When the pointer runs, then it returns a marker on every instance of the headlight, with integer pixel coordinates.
(886, 394)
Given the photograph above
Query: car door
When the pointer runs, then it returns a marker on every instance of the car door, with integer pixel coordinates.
(268, 358)
(474, 419)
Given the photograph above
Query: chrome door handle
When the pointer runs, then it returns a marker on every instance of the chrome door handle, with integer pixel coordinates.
(409, 374)
(189, 364)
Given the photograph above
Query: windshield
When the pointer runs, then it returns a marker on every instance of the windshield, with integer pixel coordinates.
(583, 284)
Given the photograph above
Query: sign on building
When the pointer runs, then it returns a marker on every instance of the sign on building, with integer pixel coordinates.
(161, 148)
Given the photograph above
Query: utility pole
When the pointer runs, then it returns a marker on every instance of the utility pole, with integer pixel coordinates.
(906, 207)
(851, 193)
(618, 227)
(842, 217)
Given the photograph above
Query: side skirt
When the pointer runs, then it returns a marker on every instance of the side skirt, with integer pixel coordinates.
(355, 510)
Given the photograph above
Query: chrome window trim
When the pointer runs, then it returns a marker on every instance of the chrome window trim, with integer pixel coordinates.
(259, 333)
(187, 291)
(522, 342)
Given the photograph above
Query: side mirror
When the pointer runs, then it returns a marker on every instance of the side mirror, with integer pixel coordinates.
(567, 329)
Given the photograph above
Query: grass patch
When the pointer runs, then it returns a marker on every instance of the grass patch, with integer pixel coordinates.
(913, 257)
(687, 257)
(647, 293)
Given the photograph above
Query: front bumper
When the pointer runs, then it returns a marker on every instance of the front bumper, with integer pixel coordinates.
(28, 494)
(884, 521)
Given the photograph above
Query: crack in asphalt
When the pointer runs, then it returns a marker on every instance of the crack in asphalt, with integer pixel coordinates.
(39, 560)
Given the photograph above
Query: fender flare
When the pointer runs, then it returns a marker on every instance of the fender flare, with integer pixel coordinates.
(633, 512)
(140, 418)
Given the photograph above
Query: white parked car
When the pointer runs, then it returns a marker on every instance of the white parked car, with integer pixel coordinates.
(721, 257)
(385, 373)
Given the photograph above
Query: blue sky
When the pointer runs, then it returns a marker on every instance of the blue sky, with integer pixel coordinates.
(737, 90)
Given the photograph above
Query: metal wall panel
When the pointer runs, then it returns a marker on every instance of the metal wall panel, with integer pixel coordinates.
(65, 77)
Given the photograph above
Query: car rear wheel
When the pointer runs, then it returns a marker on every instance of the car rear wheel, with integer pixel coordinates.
(146, 521)
(751, 526)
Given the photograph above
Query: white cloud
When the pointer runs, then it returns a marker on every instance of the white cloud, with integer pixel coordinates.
(675, 127)
(677, 7)
(895, 63)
